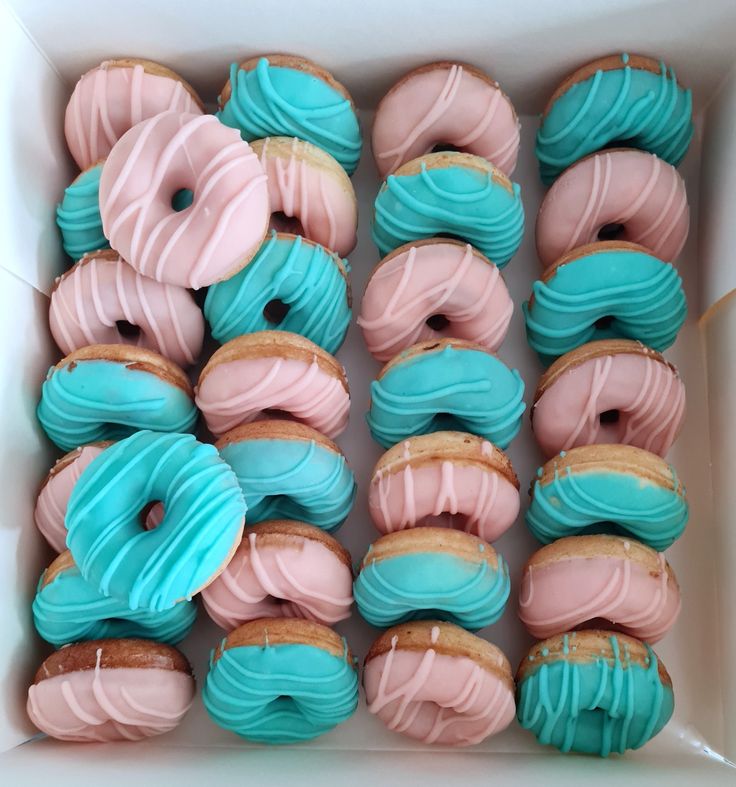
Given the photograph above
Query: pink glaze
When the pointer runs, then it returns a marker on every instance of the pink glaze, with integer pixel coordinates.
(208, 241)
(446, 104)
(109, 100)
(99, 291)
(432, 279)
(629, 187)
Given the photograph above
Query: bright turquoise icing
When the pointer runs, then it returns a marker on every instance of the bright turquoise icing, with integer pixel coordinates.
(628, 107)
(302, 275)
(455, 388)
(78, 215)
(642, 294)
(280, 693)
(89, 401)
(452, 200)
(595, 707)
(277, 101)
(203, 519)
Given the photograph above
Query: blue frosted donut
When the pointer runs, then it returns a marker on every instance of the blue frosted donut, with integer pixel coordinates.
(78, 215)
(446, 385)
(203, 516)
(454, 194)
(292, 284)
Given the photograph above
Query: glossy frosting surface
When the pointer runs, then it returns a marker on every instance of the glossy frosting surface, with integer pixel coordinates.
(78, 215)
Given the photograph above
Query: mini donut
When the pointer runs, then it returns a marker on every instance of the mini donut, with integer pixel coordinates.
(605, 290)
(453, 479)
(203, 516)
(111, 690)
(288, 470)
(273, 372)
(102, 300)
(109, 391)
(292, 284)
(434, 288)
(438, 683)
(432, 573)
(616, 100)
(447, 384)
(309, 193)
(609, 391)
(626, 195)
(218, 233)
(593, 692)
(608, 488)
(285, 95)
(606, 581)
(78, 214)
(279, 680)
(453, 194)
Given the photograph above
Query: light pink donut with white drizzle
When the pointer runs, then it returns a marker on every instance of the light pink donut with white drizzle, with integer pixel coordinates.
(218, 233)
(632, 192)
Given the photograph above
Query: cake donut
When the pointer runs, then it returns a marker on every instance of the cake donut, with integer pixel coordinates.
(283, 569)
(445, 104)
(609, 391)
(78, 215)
(437, 683)
(593, 692)
(111, 690)
(277, 680)
(447, 384)
(450, 193)
(432, 573)
(434, 288)
(285, 95)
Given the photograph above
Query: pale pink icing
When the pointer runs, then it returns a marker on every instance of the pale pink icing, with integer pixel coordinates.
(628, 187)
(98, 291)
(109, 100)
(208, 241)
(447, 104)
(431, 279)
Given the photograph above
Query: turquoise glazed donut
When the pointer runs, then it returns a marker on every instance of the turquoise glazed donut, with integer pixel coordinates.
(621, 100)
(446, 385)
(593, 692)
(78, 215)
(453, 194)
(608, 290)
(279, 680)
(288, 274)
(203, 516)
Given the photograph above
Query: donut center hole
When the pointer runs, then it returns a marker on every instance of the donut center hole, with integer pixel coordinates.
(603, 323)
(275, 413)
(611, 231)
(181, 200)
(450, 236)
(275, 311)
(444, 147)
(437, 322)
(127, 330)
(283, 223)
(446, 422)
(445, 519)
(610, 417)
(151, 515)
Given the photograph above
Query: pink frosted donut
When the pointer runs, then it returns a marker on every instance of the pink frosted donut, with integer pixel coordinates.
(625, 195)
(218, 233)
(430, 289)
(448, 104)
(101, 291)
(610, 391)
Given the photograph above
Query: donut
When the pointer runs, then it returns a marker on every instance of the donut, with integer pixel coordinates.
(451, 479)
(108, 391)
(285, 95)
(447, 384)
(453, 194)
(142, 179)
(309, 193)
(605, 290)
(203, 516)
(430, 289)
(608, 488)
(288, 470)
(292, 284)
(432, 573)
(437, 683)
(111, 690)
(599, 580)
(78, 215)
(279, 680)
(593, 692)
(102, 300)
(272, 373)
(626, 195)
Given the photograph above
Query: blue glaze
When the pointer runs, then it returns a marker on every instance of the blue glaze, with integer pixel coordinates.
(78, 215)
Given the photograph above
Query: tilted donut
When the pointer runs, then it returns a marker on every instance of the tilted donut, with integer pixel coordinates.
(78, 215)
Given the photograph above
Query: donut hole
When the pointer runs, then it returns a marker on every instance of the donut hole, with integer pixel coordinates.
(151, 515)
(445, 147)
(281, 222)
(445, 519)
(612, 231)
(275, 311)
(274, 413)
(447, 422)
(603, 323)
(181, 200)
(449, 236)
(127, 330)
(437, 322)
(609, 417)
